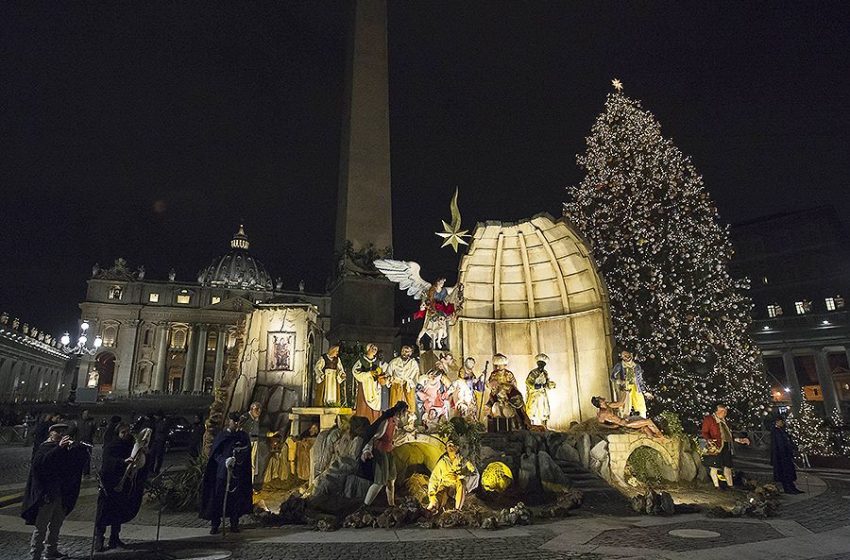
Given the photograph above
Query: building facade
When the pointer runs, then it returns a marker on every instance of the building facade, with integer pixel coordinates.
(168, 336)
(798, 264)
(33, 367)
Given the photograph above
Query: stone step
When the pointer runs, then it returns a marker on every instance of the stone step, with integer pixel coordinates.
(582, 476)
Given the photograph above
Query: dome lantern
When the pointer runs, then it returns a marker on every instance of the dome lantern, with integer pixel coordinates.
(237, 269)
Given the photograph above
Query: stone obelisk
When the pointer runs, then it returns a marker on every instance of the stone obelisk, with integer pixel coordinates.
(361, 300)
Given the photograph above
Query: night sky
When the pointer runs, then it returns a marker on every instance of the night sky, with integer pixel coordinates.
(150, 131)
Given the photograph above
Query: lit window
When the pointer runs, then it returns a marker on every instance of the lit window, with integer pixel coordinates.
(774, 310)
(110, 333)
(216, 299)
(183, 297)
(178, 339)
(830, 304)
(115, 292)
(211, 342)
(153, 297)
(803, 307)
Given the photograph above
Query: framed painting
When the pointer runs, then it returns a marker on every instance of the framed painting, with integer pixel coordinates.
(281, 351)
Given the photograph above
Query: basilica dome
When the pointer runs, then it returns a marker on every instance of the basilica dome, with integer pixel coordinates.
(237, 268)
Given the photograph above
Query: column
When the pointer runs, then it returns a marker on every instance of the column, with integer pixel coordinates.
(158, 382)
(793, 382)
(200, 360)
(125, 355)
(189, 369)
(827, 385)
(39, 384)
(220, 343)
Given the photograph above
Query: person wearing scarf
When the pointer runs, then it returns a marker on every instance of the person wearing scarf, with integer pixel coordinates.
(114, 506)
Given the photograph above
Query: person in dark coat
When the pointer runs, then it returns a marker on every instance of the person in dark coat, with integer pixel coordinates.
(109, 432)
(115, 506)
(782, 451)
(85, 433)
(197, 436)
(53, 487)
(230, 452)
(158, 444)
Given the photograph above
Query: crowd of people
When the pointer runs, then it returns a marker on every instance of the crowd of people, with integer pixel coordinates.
(62, 459)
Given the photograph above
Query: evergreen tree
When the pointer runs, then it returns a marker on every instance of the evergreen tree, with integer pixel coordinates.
(809, 431)
(656, 237)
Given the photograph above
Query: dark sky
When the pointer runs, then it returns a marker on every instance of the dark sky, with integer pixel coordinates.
(150, 130)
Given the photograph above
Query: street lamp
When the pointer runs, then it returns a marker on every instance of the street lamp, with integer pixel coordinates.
(79, 350)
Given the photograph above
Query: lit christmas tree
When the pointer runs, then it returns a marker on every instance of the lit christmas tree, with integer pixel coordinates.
(656, 237)
(809, 431)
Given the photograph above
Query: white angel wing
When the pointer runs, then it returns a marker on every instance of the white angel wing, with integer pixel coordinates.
(405, 274)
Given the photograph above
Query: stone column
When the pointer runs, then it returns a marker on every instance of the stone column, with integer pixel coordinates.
(220, 344)
(827, 385)
(793, 382)
(189, 369)
(162, 342)
(125, 352)
(200, 360)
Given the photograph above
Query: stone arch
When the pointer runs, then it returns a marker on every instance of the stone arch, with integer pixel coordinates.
(621, 447)
(423, 451)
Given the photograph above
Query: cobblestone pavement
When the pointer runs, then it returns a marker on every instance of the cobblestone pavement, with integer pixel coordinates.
(515, 548)
(658, 536)
(826, 512)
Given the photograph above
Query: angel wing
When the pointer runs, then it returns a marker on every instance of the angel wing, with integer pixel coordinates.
(405, 274)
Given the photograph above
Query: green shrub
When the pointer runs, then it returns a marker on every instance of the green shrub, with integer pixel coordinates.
(645, 465)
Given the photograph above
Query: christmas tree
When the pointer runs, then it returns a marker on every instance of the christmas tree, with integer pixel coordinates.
(656, 237)
(809, 431)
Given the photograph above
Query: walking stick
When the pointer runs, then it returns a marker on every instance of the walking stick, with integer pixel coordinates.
(483, 390)
(226, 492)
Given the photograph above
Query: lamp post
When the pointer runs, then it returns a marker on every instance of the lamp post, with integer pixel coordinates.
(77, 351)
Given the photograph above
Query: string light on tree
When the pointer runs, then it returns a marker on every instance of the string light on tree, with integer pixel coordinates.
(657, 239)
(809, 431)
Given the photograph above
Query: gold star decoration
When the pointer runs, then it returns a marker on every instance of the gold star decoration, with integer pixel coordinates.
(452, 234)
(618, 85)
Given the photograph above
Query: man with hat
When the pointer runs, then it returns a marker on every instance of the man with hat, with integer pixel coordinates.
(537, 386)
(53, 487)
(228, 476)
(505, 399)
(628, 375)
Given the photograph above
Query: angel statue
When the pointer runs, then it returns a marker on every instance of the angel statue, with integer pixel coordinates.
(439, 305)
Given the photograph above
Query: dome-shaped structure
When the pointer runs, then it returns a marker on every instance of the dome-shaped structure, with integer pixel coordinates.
(532, 287)
(237, 268)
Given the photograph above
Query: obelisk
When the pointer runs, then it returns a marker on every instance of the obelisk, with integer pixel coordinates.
(361, 300)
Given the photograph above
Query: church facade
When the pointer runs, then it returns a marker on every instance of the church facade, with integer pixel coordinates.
(173, 337)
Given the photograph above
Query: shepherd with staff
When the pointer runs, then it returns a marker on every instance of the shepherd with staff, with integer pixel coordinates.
(226, 490)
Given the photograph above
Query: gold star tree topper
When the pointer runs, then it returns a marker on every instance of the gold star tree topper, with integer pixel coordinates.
(618, 85)
(452, 234)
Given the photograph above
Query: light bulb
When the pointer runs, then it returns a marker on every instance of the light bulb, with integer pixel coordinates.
(98, 341)
(84, 326)
(83, 339)
(65, 340)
